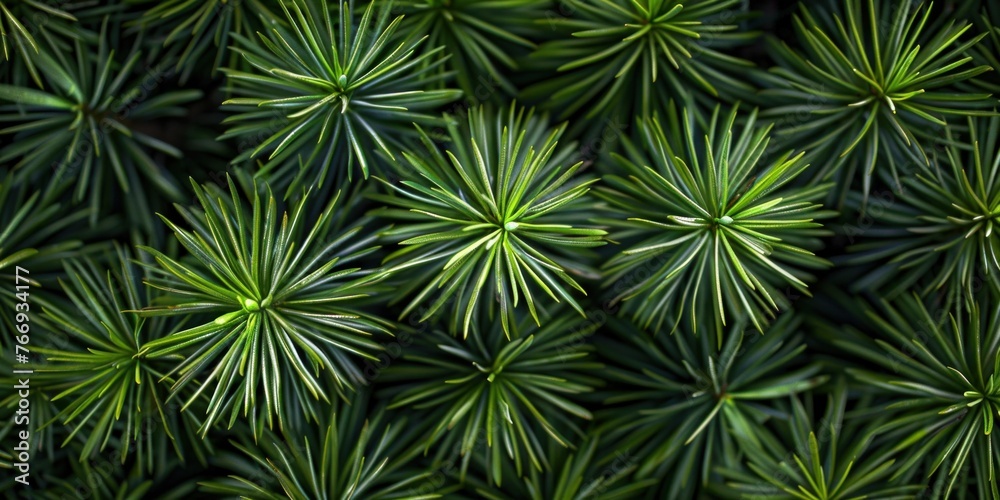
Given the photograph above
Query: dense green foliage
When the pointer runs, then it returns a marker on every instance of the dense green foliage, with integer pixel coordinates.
(284, 306)
(882, 81)
(501, 249)
(504, 210)
(715, 224)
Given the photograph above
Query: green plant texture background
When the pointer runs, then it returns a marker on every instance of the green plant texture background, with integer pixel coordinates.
(500, 249)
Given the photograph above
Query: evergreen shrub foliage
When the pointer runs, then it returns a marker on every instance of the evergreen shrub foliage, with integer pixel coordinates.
(501, 249)
(502, 208)
(716, 225)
